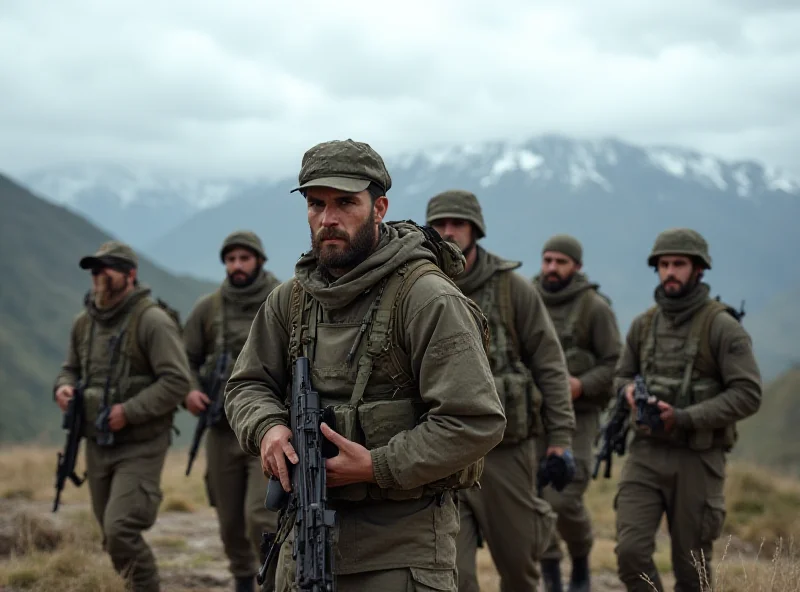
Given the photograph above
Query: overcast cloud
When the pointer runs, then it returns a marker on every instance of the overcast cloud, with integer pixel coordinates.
(245, 86)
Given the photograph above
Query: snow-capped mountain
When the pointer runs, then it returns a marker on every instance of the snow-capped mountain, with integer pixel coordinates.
(614, 196)
(134, 203)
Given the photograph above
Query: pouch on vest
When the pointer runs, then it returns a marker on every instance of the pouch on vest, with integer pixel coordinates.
(516, 394)
(579, 361)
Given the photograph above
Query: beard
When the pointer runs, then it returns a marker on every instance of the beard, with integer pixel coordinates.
(677, 289)
(240, 279)
(106, 292)
(553, 282)
(356, 249)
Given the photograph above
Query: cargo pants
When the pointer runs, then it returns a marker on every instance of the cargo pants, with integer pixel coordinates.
(237, 488)
(506, 513)
(125, 489)
(659, 478)
(574, 524)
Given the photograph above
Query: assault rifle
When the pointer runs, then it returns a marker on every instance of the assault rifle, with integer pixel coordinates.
(104, 436)
(615, 432)
(306, 507)
(215, 389)
(73, 423)
(648, 415)
(614, 435)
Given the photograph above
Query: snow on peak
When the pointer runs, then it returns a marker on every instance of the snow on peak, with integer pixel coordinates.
(69, 184)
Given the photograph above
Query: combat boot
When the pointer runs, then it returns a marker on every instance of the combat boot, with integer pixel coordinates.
(579, 581)
(246, 584)
(551, 574)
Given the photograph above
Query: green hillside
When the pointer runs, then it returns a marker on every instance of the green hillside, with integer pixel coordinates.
(41, 290)
(771, 437)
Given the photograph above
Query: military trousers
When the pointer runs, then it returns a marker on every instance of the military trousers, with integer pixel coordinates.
(687, 486)
(402, 579)
(237, 487)
(574, 524)
(125, 489)
(506, 513)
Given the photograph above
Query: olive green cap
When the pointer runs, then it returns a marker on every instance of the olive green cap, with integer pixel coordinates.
(245, 239)
(345, 165)
(566, 244)
(456, 203)
(680, 241)
(111, 254)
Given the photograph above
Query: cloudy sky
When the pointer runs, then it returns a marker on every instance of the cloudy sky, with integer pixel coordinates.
(245, 86)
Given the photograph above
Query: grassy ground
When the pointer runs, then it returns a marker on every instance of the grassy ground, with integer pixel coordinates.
(43, 551)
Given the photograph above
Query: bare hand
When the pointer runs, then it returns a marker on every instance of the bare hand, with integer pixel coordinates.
(667, 416)
(116, 418)
(557, 450)
(353, 464)
(629, 388)
(575, 387)
(63, 396)
(275, 447)
(196, 402)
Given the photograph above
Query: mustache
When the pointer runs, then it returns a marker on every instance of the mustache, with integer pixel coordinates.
(330, 233)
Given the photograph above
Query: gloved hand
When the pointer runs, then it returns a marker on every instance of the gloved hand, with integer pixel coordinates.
(555, 470)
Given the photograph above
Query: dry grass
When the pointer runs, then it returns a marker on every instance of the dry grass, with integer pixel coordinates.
(63, 552)
(29, 474)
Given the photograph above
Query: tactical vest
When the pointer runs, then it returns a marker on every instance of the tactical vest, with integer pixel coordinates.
(362, 372)
(573, 325)
(521, 399)
(112, 354)
(681, 370)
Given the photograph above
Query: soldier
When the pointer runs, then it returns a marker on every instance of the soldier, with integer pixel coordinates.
(127, 352)
(415, 401)
(531, 376)
(698, 361)
(590, 339)
(235, 482)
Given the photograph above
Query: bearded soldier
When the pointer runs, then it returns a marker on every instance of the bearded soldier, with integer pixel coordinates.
(126, 352)
(398, 352)
(697, 360)
(218, 325)
(590, 339)
(531, 378)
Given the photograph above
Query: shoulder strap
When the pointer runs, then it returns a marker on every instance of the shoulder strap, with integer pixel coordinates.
(392, 292)
(647, 339)
(507, 310)
(132, 347)
(577, 325)
(698, 333)
(701, 329)
(84, 324)
(213, 320)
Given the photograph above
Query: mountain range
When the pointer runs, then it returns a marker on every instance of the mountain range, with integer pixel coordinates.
(614, 196)
(42, 291)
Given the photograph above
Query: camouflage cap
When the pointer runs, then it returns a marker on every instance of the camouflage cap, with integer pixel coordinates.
(566, 244)
(111, 254)
(242, 238)
(680, 241)
(456, 203)
(343, 164)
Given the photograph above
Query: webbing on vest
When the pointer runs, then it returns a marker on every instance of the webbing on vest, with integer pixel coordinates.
(304, 316)
(698, 342)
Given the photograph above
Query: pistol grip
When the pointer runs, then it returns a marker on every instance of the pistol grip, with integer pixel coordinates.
(276, 496)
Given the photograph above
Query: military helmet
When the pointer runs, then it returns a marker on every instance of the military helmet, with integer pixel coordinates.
(457, 203)
(680, 241)
(242, 238)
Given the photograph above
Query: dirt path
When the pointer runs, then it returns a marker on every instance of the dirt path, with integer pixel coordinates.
(191, 557)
